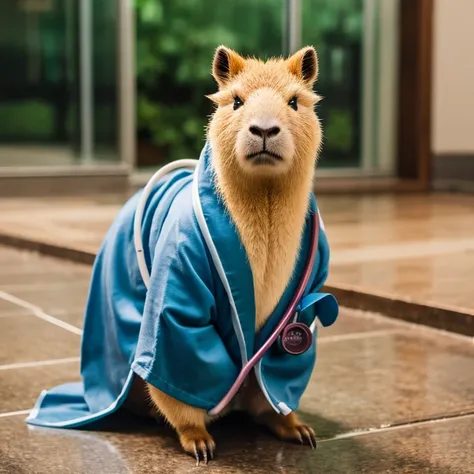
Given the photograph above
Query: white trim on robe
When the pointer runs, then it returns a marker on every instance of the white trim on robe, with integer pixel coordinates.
(217, 263)
(89, 418)
(220, 270)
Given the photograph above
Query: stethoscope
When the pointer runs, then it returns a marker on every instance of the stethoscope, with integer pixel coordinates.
(293, 337)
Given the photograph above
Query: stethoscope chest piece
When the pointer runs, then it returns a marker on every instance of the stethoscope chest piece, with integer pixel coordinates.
(296, 338)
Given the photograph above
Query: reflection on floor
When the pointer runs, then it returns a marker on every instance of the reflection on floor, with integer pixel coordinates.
(419, 247)
(385, 396)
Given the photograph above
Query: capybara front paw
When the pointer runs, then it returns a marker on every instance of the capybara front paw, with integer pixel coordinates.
(197, 442)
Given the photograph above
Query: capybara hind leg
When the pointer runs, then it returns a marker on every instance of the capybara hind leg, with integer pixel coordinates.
(288, 427)
(189, 422)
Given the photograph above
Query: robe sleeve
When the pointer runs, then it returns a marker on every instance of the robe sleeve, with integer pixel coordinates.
(179, 350)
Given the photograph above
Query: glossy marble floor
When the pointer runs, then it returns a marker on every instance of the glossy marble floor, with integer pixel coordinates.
(385, 397)
(414, 247)
(419, 248)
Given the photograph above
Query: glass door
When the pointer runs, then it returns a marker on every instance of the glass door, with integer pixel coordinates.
(176, 40)
(335, 28)
(38, 84)
(58, 86)
(357, 45)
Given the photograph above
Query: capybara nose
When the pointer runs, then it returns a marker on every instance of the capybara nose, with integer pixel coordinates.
(264, 133)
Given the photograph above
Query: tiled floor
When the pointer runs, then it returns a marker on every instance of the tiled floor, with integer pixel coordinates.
(418, 247)
(385, 396)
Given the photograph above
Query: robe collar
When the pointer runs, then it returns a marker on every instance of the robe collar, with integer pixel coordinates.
(231, 260)
(227, 252)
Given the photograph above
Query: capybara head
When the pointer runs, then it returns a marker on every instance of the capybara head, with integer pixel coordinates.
(265, 125)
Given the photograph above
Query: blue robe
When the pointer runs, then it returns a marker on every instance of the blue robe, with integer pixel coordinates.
(191, 332)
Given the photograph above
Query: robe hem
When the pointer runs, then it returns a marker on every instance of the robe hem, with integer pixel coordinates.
(82, 420)
(34, 412)
(263, 387)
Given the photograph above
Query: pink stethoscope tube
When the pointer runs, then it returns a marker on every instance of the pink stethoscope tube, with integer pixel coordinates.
(287, 316)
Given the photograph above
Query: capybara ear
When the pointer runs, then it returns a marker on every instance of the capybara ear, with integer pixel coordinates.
(227, 64)
(304, 65)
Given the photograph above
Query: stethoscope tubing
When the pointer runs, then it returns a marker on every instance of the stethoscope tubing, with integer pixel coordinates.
(288, 315)
(137, 222)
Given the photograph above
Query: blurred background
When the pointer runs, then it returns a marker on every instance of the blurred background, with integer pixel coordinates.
(116, 88)
(97, 95)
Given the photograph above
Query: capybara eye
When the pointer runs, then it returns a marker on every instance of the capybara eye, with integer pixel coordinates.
(293, 103)
(237, 102)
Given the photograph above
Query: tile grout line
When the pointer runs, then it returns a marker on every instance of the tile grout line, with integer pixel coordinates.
(39, 363)
(384, 429)
(15, 413)
(38, 312)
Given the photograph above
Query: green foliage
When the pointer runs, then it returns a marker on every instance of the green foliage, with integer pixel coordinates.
(326, 16)
(26, 119)
(176, 40)
(338, 131)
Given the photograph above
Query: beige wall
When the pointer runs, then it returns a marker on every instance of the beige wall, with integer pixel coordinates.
(453, 88)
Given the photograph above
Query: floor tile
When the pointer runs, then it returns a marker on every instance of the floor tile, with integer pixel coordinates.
(6, 307)
(373, 381)
(26, 338)
(53, 300)
(350, 321)
(47, 284)
(42, 276)
(12, 259)
(438, 448)
(441, 279)
(73, 317)
(20, 388)
(380, 234)
(54, 285)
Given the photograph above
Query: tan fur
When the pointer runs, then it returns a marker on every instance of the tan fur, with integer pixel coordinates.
(268, 203)
(269, 211)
